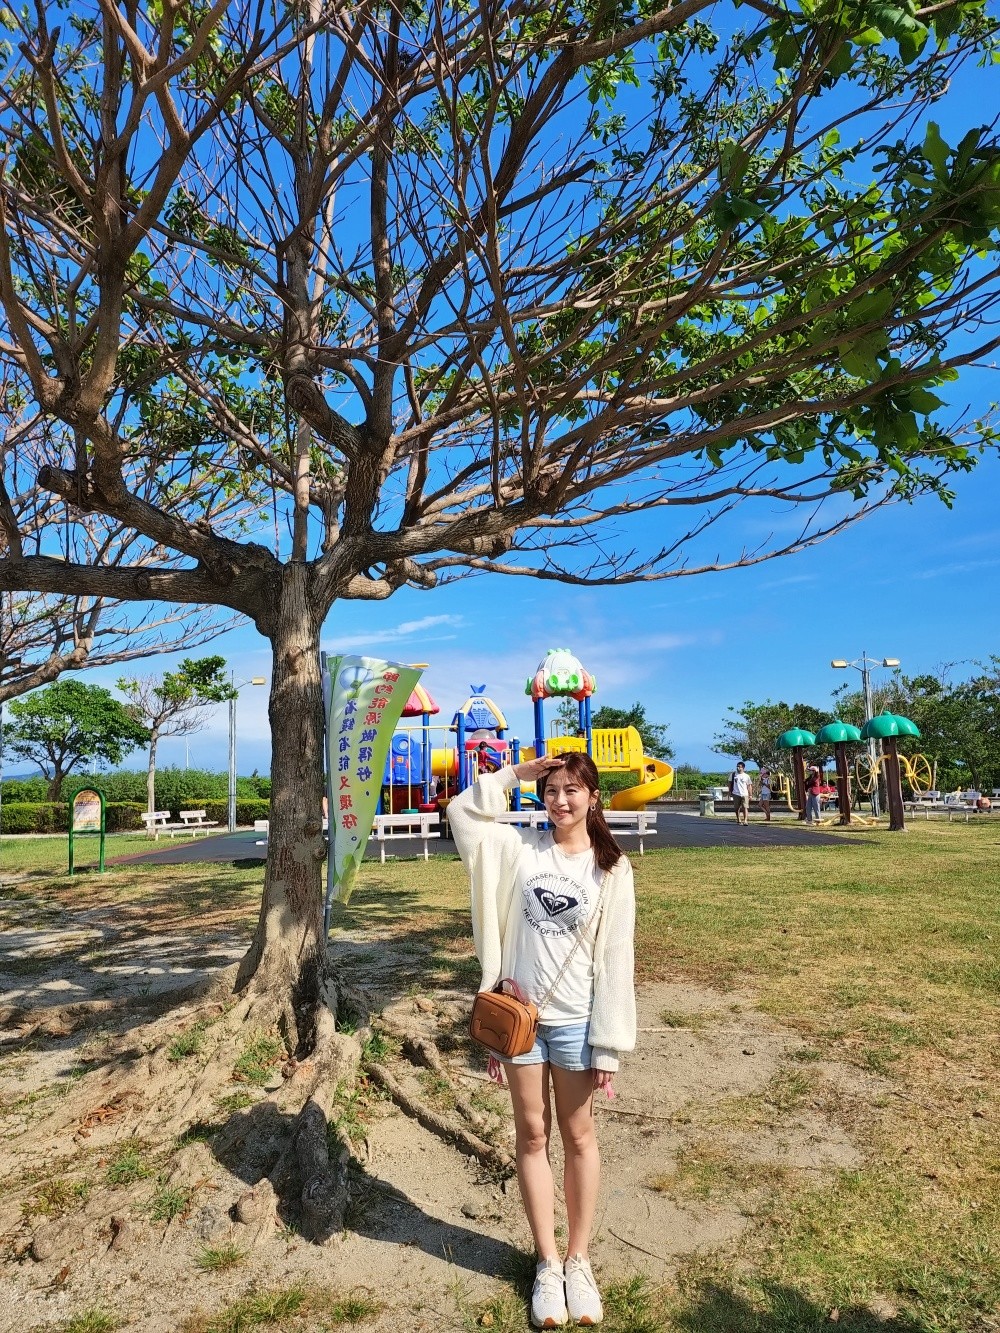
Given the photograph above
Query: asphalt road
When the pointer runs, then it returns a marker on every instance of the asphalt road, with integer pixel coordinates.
(674, 828)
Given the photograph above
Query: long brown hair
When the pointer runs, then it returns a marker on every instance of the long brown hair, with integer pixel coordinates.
(581, 768)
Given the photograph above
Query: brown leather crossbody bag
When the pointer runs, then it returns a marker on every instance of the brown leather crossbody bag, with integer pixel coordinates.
(503, 1019)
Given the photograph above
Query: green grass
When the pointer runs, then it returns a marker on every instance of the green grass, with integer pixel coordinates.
(54, 1198)
(94, 1320)
(169, 1202)
(879, 952)
(219, 1259)
(257, 1060)
(236, 1101)
(49, 855)
(127, 1165)
(187, 1043)
(286, 1308)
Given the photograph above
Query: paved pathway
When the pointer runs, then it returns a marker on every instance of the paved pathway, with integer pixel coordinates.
(674, 828)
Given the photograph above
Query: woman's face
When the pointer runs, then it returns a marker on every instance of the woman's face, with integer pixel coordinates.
(567, 800)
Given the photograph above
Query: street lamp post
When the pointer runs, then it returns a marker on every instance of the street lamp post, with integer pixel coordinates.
(235, 689)
(864, 664)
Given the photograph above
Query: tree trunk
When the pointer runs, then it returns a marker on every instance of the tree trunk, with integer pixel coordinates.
(154, 736)
(894, 786)
(287, 960)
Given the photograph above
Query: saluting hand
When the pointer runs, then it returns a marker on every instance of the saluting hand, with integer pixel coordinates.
(532, 769)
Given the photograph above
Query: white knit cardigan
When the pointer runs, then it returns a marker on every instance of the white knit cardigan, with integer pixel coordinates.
(490, 852)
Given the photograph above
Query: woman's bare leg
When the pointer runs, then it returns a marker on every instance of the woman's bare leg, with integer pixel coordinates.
(574, 1094)
(529, 1093)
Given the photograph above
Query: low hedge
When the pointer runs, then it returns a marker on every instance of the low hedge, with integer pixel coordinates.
(119, 816)
(246, 811)
(53, 817)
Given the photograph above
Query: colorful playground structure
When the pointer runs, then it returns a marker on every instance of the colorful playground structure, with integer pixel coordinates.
(428, 763)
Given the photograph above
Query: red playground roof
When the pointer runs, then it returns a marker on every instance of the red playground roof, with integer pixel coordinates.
(419, 702)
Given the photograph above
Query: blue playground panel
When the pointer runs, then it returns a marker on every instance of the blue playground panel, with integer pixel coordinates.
(404, 764)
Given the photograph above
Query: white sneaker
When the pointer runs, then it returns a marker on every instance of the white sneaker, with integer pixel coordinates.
(582, 1296)
(548, 1295)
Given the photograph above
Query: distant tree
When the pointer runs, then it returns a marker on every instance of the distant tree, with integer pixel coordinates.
(654, 734)
(959, 721)
(70, 723)
(752, 731)
(568, 713)
(44, 635)
(173, 704)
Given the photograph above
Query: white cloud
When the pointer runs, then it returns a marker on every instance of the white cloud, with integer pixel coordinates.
(370, 639)
(427, 622)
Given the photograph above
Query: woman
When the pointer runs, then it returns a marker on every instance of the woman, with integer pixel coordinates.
(814, 780)
(765, 793)
(536, 893)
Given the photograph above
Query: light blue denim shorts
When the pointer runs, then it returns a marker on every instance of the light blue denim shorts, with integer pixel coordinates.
(566, 1047)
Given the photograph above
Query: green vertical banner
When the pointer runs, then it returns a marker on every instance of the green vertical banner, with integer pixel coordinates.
(364, 698)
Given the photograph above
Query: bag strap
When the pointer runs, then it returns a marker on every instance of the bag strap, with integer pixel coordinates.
(582, 934)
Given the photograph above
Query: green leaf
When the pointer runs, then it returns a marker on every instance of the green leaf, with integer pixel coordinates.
(923, 401)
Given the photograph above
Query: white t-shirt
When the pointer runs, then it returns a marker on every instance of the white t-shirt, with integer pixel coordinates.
(742, 785)
(554, 897)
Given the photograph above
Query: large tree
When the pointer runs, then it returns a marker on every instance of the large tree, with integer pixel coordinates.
(752, 730)
(70, 723)
(475, 288)
(173, 704)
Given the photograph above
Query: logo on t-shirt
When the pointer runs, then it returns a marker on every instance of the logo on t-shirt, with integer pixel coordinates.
(553, 904)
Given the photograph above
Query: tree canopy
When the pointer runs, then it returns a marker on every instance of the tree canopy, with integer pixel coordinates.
(752, 731)
(70, 723)
(654, 734)
(958, 717)
(311, 303)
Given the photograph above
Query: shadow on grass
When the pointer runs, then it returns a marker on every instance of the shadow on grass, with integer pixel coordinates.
(717, 1310)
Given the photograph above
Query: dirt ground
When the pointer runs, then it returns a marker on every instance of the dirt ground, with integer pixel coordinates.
(430, 1232)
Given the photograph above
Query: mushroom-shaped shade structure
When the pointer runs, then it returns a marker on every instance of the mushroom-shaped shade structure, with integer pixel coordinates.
(419, 703)
(837, 733)
(887, 725)
(791, 740)
(840, 735)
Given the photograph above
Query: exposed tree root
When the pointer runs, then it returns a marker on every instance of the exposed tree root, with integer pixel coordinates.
(495, 1159)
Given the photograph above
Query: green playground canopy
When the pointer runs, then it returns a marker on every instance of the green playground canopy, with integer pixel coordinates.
(791, 740)
(889, 724)
(837, 733)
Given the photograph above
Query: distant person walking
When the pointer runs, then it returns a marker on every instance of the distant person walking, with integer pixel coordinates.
(814, 780)
(740, 789)
(765, 794)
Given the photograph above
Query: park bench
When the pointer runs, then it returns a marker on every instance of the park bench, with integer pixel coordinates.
(424, 824)
(639, 822)
(195, 821)
(642, 823)
(157, 822)
(529, 817)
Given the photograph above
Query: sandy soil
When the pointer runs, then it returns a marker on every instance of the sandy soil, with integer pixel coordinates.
(430, 1232)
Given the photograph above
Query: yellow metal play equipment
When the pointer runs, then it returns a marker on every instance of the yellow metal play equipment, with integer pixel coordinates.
(619, 750)
(915, 769)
